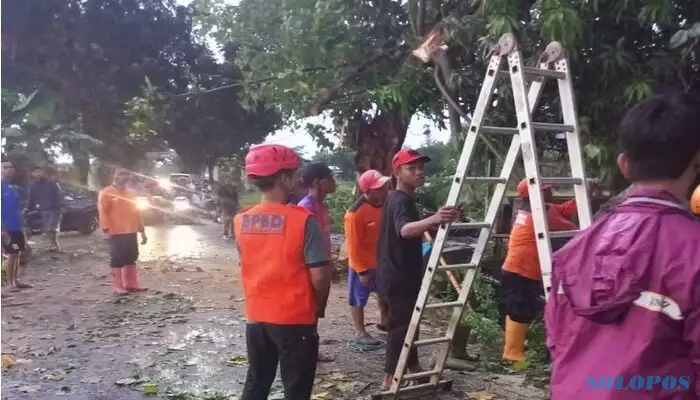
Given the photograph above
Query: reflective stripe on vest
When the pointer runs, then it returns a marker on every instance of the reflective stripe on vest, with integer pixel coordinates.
(276, 281)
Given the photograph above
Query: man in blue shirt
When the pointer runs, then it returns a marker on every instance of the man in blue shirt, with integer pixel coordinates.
(13, 242)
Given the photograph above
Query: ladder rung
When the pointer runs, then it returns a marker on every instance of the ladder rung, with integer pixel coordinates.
(498, 130)
(562, 181)
(428, 342)
(413, 390)
(548, 73)
(547, 127)
(423, 374)
(444, 305)
(469, 225)
(485, 179)
(538, 126)
(455, 267)
(563, 234)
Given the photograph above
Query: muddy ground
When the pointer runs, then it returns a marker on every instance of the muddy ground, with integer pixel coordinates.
(68, 337)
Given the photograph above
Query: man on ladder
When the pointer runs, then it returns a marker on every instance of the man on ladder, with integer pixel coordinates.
(526, 83)
(399, 253)
(521, 278)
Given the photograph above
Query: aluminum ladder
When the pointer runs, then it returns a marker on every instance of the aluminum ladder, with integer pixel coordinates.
(523, 140)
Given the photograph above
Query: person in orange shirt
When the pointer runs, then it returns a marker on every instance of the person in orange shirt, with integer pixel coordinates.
(521, 278)
(121, 221)
(283, 261)
(362, 224)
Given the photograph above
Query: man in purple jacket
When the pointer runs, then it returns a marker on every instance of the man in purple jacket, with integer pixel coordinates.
(623, 319)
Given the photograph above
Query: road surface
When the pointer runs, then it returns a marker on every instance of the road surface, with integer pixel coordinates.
(69, 337)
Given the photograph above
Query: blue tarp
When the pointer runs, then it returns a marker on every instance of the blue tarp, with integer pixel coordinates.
(426, 248)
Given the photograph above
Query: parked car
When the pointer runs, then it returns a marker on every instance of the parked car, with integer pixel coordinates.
(80, 214)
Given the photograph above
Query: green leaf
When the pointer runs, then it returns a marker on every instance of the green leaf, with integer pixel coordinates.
(237, 360)
(149, 389)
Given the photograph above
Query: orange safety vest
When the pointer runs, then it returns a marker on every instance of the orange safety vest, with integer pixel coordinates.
(276, 281)
(522, 258)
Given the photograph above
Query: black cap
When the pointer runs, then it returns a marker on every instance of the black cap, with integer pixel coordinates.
(314, 171)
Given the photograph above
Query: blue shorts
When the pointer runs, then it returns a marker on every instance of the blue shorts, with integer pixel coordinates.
(358, 294)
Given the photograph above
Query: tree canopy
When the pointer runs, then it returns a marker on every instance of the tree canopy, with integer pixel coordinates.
(88, 67)
(352, 58)
(137, 75)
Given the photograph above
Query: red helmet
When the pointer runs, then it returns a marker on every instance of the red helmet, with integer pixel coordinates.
(523, 191)
(269, 159)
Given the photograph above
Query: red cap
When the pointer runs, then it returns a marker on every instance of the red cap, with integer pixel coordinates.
(407, 156)
(523, 191)
(269, 159)
(372, 179)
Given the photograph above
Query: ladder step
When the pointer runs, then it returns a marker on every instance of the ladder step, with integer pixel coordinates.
(545, 73)
(423, 374)
(547, 127)
(498, 130)
(469, 225)
(538, 126)
(484, 179)
(428, 342)
(562, 181)
(444, 305)
(414, 390)
(455, 267)
(563, 234)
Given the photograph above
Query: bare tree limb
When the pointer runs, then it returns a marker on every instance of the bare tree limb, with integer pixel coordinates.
(456, 107)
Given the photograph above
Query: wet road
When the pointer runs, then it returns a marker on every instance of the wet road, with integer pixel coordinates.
(185, 241)
(69, 337)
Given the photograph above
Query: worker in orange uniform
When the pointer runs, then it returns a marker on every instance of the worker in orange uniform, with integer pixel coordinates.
(362, 224)
(121, 221)
(283, 258)
(521, 278)
(695, 202)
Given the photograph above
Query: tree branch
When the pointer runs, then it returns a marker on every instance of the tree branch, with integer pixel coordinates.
(327, 95)
(261, 80)
(456, 107)
(420, 18)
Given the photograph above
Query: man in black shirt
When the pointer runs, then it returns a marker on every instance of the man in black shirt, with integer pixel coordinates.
(228, 202)
(399, 253)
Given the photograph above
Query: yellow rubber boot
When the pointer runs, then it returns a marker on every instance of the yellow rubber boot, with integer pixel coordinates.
(514, 349)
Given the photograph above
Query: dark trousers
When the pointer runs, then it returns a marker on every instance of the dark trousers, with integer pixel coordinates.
(293, 347)
(521, 297)
(123, 250)
(227, 221)
(400, 307)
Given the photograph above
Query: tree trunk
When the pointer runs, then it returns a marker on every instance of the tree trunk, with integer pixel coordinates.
(375, 142)
(210, 170)
(81, 161)
(443, 63)
(35, 150)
